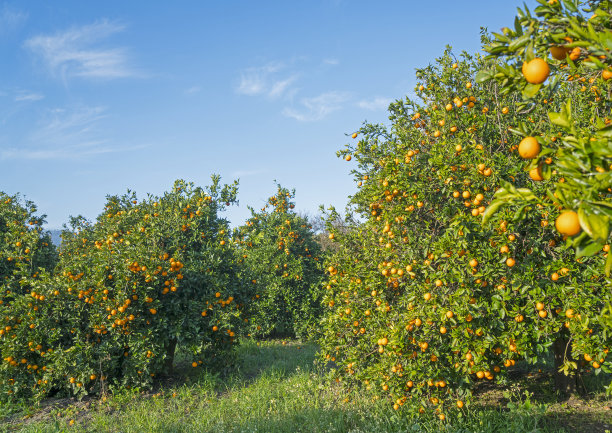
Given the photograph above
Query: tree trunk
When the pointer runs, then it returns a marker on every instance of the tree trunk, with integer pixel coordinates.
(169, 361)
(562, 351)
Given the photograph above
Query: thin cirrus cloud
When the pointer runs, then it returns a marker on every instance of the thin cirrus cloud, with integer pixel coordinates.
(376, 104)
(75, 52)
(11, 19)
(28, 97)
(66, 133)
(265, 80)
(192, 90)
(317, 107)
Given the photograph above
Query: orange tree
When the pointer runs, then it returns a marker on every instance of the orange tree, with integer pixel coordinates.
(423, 300)
(143, 278)
(24, 247)
(27, 256)
(562, 53)
(280, 259)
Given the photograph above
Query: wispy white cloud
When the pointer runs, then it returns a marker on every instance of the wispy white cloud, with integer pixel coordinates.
(279, 87)
(318, 107)
(66, 133)
(192, 90)
(375, 104)
(332, 62)
(264, 80)
(73, 52)
(11, 19)
(27, 96)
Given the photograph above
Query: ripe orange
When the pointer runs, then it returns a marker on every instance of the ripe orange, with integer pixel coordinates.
(575, 54)
(348, 157)
(536, 71)
(606, 74)
(529, 148)
(510, 262)
(558, 52)
(536, 173)
(568, 223)
(354, 135)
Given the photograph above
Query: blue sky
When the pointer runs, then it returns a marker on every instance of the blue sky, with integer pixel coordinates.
(99, 97)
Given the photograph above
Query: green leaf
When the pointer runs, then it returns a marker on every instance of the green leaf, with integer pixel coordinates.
(559, 119)
(492, 208)
(597, 226)
(483, 75)
(588, 248)
(606, 132)
(519, 43)
(531, 90)
(608, 264)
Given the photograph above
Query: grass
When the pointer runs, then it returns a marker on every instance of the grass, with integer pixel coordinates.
(274, 387)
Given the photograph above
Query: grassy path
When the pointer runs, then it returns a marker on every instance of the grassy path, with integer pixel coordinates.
(274, 387)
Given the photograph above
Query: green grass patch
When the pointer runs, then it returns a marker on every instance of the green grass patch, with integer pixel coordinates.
(275, 387)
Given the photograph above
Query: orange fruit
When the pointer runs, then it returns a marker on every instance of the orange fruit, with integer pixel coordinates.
(558, 52)
(536, 71)
(348, 157)
(354, 135)
(536, 173)
(606, 74)
(568, 223)
(510, 262)
(529, 148)
(575, 53)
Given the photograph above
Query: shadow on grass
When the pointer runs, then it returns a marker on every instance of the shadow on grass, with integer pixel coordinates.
(253, 359)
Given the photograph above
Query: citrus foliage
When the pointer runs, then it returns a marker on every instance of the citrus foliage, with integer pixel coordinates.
(280, 259)
(145, 276)
(423, 300)
(562, 54)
